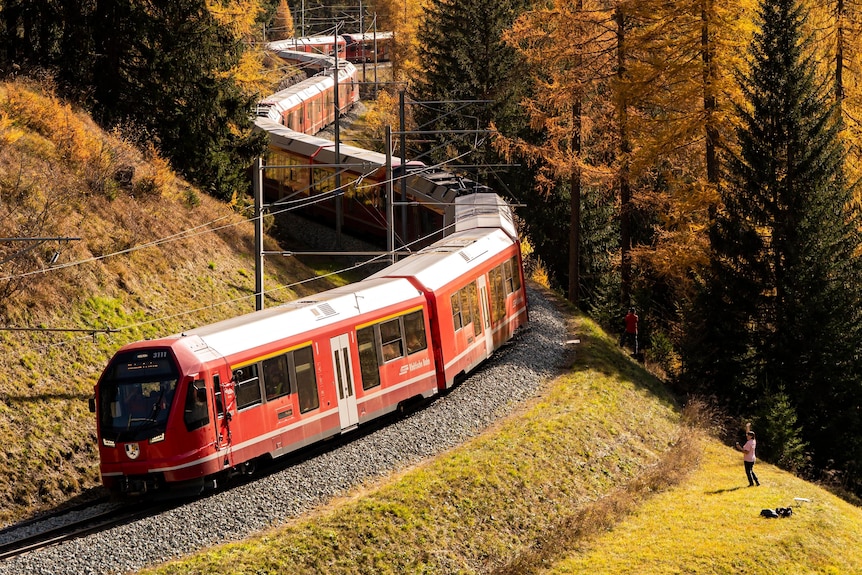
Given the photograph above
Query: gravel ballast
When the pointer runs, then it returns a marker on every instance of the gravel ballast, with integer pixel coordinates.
(514, 374)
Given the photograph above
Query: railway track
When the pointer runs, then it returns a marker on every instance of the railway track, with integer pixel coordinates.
(35, 538)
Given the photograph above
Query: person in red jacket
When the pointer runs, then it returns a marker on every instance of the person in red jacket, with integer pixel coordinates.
(631, 331)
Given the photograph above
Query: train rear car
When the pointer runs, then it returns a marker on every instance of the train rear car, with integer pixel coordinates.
(368, 47)
(473, 280)
(180, 412)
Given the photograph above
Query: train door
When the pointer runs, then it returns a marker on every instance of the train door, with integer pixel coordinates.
(341, 365)
(486, 315)
(222, 419)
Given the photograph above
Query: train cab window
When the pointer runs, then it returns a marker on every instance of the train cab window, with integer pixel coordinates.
(196, 414)
(369, 358)
(306, 380)
(276, 381)
(247, 386)
(391, 339)
(414, 329)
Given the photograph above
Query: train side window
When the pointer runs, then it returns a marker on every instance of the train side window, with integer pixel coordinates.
(391, 339)
(369, 358)
(275, 379)
(414, 328)
(247, 386)
(219, 402)
(457, 318)
(516, 274)
(473, 302)
(306, 380)
(466, 311)
(196, 414)
(498, 294)
(463, 307)
(507, 275)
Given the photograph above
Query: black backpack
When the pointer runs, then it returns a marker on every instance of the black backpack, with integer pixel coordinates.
(777, 512)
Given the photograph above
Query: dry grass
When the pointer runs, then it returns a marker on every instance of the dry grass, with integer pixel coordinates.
(62, 176)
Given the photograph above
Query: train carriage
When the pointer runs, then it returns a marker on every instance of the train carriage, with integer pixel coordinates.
(261, 385)
(368, 47)
(473, 280)
(309, 105)
(324, 45)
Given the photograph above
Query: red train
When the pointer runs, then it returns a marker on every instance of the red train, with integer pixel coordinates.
(180, 412)
(324, 45)
(368, 47)
(309, 106)
(306, 162)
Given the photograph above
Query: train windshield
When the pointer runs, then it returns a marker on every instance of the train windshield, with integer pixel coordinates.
(135, 395)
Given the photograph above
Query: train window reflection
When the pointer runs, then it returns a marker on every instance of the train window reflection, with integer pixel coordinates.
(369, 359)
(391, 340)
(306, 379)
(247, 386)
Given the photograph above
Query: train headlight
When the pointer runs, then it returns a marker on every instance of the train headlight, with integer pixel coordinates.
(108, 443)
(157, 438)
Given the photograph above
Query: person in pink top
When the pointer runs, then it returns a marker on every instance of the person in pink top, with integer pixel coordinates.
(749, 458)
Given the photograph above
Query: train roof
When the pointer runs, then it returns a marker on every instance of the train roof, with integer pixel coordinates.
(484, 210)
(293, 43)
(367, 36)
(322, 149)
(256, 329)
(484, 227)
(447, 259)
(310, 60)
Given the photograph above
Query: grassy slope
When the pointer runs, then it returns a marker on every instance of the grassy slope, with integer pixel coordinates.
(55, 164)
(603, 464)
(712, 524)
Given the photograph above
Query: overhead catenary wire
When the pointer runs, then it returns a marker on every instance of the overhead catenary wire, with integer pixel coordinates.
(188, 312)
(207, 226)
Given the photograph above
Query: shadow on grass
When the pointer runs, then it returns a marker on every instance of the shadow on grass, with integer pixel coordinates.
(720, 491)
(11, 399)
(599, 351)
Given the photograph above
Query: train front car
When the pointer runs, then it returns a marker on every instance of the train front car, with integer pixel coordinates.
(153, 418)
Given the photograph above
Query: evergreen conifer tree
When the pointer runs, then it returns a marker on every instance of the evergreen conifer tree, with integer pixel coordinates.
(783, 313)
(465, 59)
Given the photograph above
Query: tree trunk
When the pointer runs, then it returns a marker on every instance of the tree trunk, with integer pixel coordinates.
(623, 176)
(710, 106)
(575, 206)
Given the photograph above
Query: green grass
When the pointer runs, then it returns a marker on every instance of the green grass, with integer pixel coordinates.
(601, 474)
(711, 524)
